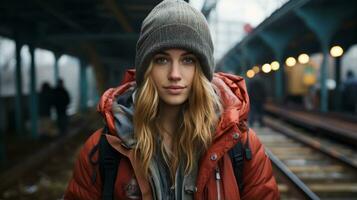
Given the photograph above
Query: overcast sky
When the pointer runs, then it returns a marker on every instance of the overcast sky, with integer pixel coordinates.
(227, 21)
(249, 11)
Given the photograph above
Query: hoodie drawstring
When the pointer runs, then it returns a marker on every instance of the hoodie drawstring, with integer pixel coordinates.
(218, 179)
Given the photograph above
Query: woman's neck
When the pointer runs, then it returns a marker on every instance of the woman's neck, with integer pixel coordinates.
(169, 116)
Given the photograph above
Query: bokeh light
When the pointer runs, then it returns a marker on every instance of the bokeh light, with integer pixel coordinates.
(336, 51)
(266, 68)
(290, 62)
(275, 65)
(256, 69)
(250, 73)
(303, 58)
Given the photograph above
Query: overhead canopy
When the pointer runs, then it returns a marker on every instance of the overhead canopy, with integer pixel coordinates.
(106, 29)
(300, 26)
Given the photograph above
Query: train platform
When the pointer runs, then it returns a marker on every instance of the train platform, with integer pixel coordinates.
(339, 126)
(316, 153)
(305, 170)
(43, 173)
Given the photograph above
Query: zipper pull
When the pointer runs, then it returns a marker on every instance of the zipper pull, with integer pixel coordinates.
(218, 176)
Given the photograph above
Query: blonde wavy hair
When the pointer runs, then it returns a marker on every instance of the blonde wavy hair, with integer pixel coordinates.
(196, 126)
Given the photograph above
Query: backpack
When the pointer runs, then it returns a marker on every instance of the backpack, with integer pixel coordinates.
(109, 160)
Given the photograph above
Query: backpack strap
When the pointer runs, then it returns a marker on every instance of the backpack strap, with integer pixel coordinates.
(237, 157)
(108, 166)
(247, 151)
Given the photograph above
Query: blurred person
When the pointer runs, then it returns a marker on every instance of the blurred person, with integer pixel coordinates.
(172, 123)
(310, 99)
(46, 128)
(257, 97)
(61, 101)
(45, 100)
(349, 93)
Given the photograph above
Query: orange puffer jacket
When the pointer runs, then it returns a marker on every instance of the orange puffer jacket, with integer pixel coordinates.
(258, 180)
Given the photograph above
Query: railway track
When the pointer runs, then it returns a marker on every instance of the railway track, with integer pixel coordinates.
(315, 167)
(45, 174)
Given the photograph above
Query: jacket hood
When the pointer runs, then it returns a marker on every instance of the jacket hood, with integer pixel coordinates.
(116, 105)
(234, 98)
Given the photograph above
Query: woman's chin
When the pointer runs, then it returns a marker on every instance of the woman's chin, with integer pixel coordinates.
(174, 100)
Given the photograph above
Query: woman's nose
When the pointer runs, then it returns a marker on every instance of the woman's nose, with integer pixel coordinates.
(175, 73)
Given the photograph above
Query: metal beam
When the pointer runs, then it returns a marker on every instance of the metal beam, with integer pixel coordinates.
(250, 51)
(83, 83)
(115, 60)
(278, 40)
(60, 16)
(18, 97)
(118, 14)
(324, 22)
(98, 68)
(2, 125)
(242, 60)
(208, 6)
(33, 95)
(94, 36)
(139, 7)
(289, 7)
(338, 102)
(237, 63)
(56, 68)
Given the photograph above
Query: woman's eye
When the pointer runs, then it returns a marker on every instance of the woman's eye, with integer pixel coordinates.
(160, 60)
(189, 60)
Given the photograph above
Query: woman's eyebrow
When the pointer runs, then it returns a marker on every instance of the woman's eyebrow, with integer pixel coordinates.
(162, 53)
(167, 54)
(188, 54)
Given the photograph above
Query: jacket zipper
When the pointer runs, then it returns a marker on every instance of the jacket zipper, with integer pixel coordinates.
(218, 178)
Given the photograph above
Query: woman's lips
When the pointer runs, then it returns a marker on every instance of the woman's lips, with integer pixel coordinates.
(174, 90)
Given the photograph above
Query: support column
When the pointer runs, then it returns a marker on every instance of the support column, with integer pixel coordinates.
(338, 84)
(33, 95)
(323, 79)
(245, 63)
(98, 68)
(2, 126)
(237, 69)
(279, 83)
(83, 86)
(249, 61)
(56, 69)
(18, 97)
(324, 21)
(277, 40)
(228, 65)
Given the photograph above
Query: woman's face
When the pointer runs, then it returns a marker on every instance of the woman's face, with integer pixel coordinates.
(172, 73)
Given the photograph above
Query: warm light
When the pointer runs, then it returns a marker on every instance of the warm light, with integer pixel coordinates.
(336, 51)
(250, 73)
(256, 69)
(290, 61)
(266, 68)
(303, 58)
(275, 65)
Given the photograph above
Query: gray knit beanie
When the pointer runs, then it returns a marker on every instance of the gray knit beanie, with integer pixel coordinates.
(174, 24)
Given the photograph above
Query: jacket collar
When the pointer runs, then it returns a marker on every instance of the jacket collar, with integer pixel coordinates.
(230, 88)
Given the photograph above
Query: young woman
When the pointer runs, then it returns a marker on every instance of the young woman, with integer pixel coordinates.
(173, 122)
